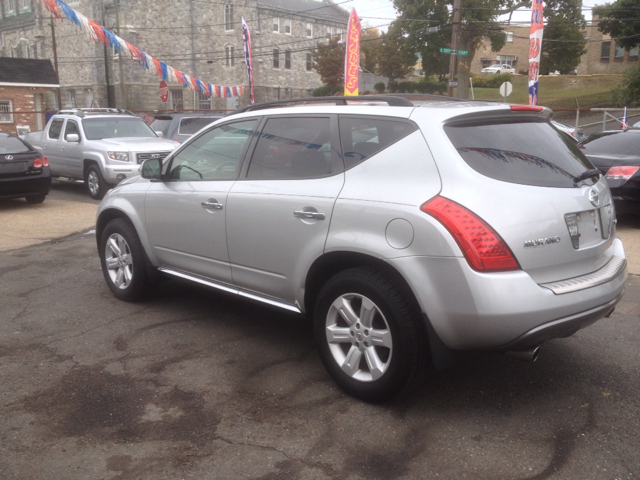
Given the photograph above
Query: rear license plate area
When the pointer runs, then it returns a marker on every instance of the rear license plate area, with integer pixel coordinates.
(585, 228)
(13, 167)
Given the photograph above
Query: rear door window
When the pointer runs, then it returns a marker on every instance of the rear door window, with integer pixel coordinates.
(55, 129)
(363, 137)
(527, 151)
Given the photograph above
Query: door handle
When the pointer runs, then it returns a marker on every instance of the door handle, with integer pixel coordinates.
(312, 215)
(211, 203)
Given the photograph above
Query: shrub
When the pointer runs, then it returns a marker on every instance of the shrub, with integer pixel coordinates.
(327, 90)
(407, 87)
(491, 81)
(379, 87)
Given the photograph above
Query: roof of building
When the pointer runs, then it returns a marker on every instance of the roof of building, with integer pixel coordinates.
(27, 71)
(325, 9)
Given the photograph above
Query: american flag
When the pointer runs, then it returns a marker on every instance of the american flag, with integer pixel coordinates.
(625, 122)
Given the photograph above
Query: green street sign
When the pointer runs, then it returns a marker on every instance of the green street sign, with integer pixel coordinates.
(463, 53)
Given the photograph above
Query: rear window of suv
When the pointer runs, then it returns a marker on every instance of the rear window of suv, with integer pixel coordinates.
(524, 151)
(190, 125)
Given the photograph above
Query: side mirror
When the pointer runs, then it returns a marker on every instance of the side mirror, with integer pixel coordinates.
(151, 169)
(72, 137)
(159, 133)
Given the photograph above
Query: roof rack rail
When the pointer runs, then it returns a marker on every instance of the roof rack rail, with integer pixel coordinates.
(392, 101)
(80, 112)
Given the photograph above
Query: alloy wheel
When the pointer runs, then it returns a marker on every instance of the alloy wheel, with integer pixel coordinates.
(119, 261)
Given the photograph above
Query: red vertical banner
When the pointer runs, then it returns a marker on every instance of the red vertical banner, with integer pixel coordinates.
(535, 47)
(352, 55)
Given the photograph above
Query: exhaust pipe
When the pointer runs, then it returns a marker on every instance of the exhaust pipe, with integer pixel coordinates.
(529, 355)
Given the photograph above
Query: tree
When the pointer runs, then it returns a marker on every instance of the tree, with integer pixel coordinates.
(394, 59)
(370, 41)
(563, 43)
(621, 20)
(328, 61)
(628, 93)
(427, 26)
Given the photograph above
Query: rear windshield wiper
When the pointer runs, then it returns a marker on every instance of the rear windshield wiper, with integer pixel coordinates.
(586, 174)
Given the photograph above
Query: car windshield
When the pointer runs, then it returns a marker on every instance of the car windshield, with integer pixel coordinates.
(12, 145)
(524, 151)
(623, 143)
(100, 128)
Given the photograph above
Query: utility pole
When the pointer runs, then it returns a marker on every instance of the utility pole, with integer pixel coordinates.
(55, 60)
(122, 90)
(111, 102)
(453, 63)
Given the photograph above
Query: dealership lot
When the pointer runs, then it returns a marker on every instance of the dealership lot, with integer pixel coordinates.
(198, 384)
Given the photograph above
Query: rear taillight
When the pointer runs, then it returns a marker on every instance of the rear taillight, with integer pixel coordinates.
(621, 173)
(41, 162)
(526, 108)
(482, 246)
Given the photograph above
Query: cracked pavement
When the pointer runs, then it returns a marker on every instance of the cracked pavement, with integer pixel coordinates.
(195, 384)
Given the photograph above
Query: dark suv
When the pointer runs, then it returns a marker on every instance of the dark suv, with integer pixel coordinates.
(180, 126)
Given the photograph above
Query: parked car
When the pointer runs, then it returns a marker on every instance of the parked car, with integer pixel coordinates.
(100, 146)
(404, 231)
(23, 171)
(499, 68)
(148, 119)
(616, 153)
(180, 126)
(571, 131)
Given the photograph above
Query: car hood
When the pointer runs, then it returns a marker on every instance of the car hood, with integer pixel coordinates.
(137, 144)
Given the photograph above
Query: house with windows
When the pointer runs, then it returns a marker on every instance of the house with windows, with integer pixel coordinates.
(23, 85)
(202, 39)
(603, 55)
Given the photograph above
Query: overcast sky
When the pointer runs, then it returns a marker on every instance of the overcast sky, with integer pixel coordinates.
(379, 13)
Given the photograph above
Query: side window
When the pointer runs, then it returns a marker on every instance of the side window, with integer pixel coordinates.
(55, 129)
(293, 147)
(72, 127)
(214, 155)
(363, 137)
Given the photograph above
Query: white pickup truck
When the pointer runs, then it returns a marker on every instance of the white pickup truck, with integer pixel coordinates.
(100, 146)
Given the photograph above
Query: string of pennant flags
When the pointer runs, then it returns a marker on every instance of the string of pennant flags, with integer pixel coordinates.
(99, 34)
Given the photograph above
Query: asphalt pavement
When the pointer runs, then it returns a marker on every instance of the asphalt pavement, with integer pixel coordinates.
(195, 384)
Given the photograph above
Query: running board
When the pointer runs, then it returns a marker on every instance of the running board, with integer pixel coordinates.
(230, 289)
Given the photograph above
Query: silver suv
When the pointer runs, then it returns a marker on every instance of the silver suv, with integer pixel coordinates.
(101, 146)
(407, 231)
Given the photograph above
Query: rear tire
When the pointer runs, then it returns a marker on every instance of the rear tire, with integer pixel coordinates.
(123, 261)
(35, 198)
(93, 179)
(369, 334)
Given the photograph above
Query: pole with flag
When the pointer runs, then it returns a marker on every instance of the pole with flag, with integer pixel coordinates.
(352, 55)
(246, 39)
(535, 48)
(625, 121)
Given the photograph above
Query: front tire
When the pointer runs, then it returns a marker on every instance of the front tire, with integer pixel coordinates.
(369, 334)
(96, 185)
(123, 261)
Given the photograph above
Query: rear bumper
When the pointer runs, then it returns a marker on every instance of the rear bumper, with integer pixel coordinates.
(469, 310)
(21, 187)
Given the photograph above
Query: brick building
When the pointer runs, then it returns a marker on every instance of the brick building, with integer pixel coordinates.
(23, 85)
(202, 39)
(603, 55)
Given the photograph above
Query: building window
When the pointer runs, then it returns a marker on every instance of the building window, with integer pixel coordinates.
(310, 30)
(508, 59)
(276, 58)
(309, 62)
(229, 56)
(633, 54)
(276, 25)
(605, 52)
(6, 109)
(339, 35)
(228, 16)
(25, 5)
(619, 55)
(176, 99)
(287, 27)
(204, 102)
(11, 6)
(287, 59)
(72, 98)
(329, 32)
(508, 36)
(276, 93)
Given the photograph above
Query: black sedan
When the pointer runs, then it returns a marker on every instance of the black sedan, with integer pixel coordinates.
(616, 154)
(23, 171)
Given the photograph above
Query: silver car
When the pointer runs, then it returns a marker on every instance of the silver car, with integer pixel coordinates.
(407, 232)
